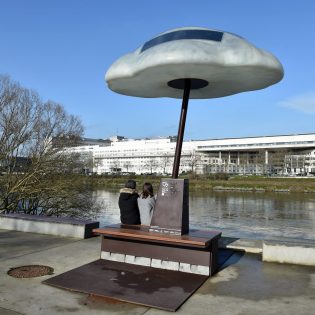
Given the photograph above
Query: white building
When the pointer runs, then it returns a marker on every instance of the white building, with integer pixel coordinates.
(283, 155)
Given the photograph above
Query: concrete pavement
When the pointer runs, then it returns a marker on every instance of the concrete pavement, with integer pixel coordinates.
(245, 285)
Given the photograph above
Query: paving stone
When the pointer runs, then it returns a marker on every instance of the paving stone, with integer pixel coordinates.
(170, 265)
(156, 263)
(143, 261)
(105, 255)
(130, 259)
(184, 267)
(200, 270)
(117, 257)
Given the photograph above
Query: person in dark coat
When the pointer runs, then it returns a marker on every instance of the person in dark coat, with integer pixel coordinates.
(128, 204)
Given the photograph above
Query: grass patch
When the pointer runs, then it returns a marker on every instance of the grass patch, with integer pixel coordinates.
(249, 183)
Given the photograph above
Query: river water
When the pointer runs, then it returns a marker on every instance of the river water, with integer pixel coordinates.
(268, 216)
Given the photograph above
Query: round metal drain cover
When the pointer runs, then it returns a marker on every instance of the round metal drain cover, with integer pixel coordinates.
(30, 271)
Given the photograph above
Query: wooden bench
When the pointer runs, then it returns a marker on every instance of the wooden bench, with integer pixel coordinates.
(195, 252)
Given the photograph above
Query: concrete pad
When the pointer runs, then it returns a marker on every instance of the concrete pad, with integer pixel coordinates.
(290, 253)
(3, 311)
(245, 285)
(250, 287)
(14, 244)
(30, 296)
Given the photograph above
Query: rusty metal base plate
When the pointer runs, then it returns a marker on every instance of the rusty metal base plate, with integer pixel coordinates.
(164, 289)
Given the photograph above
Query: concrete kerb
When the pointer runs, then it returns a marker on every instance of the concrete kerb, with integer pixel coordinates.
(245, 245)
(297, 253)
(289, 252)
(60, 226)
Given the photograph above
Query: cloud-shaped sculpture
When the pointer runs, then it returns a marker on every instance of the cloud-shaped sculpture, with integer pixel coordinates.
(222, 62)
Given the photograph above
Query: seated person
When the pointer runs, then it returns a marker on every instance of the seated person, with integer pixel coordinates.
(146, 204)
(128, 205)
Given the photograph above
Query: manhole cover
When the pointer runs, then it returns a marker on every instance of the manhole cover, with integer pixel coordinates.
(30, 271)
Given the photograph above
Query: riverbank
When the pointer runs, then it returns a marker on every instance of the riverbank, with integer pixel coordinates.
(220, 182)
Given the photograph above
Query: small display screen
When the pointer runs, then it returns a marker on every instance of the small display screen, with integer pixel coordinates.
(183, 34)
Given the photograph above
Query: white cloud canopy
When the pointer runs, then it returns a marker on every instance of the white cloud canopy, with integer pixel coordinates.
(228, 63)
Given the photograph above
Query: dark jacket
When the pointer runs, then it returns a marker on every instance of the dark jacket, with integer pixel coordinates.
(128, 205)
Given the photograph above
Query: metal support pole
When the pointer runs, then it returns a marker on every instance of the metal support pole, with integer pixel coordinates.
(181, 128)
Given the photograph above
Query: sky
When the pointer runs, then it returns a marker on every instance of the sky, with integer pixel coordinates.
(63, 48)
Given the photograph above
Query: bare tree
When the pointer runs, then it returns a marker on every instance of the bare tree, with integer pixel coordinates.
(126, 165)
(151, 164)
(34, 155)
(193, 161)
(88, 162)
(165, 161)
(211, 165)
(115, 166)
(96, 164)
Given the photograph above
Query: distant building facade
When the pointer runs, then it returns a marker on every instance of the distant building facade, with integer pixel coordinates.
(272, 155)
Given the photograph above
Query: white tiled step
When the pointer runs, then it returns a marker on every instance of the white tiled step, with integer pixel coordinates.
(156, 263)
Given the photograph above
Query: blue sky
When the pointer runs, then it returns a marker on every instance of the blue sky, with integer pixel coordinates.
(62, 49)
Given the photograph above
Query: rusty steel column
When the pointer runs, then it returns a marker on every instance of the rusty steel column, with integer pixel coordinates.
(181, 128)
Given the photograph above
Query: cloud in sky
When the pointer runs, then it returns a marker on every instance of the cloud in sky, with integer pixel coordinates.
(303, 102)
